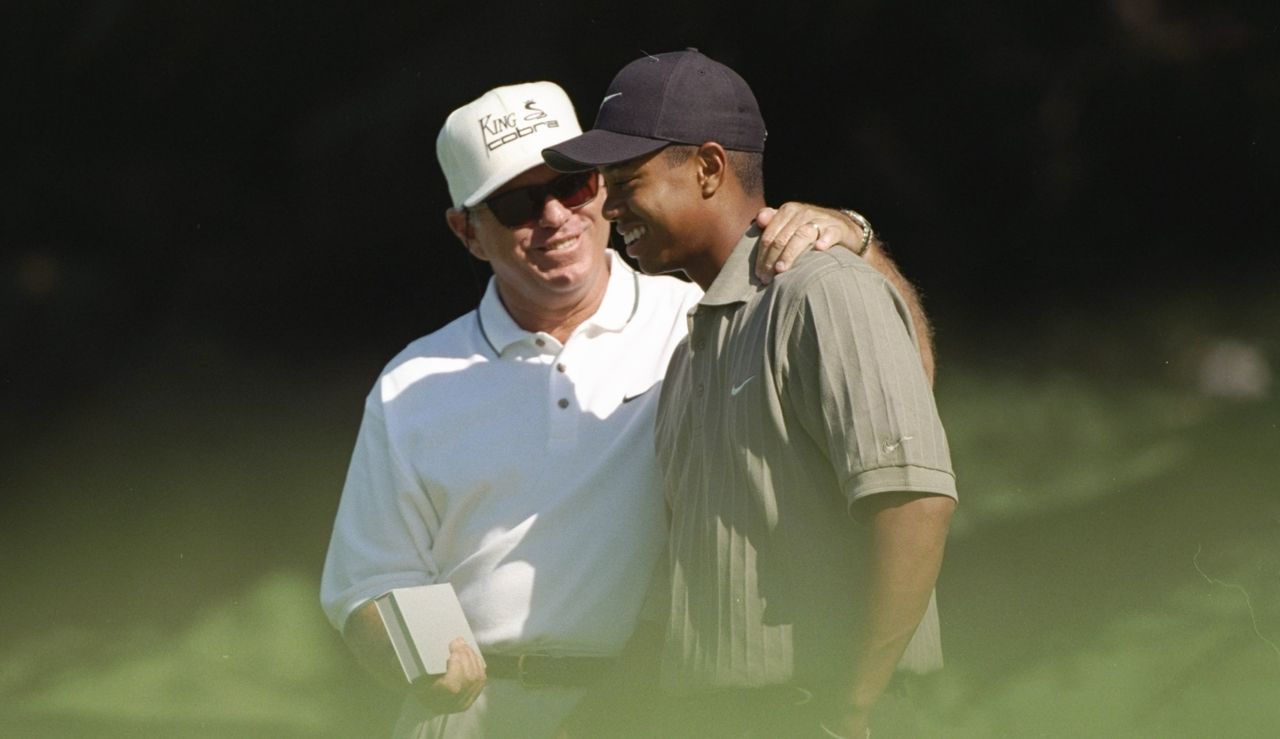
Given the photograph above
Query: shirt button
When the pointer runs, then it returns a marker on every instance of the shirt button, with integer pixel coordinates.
(698, 345)
(564, 403)
(539, 342)
(699, 390)
(560, 367)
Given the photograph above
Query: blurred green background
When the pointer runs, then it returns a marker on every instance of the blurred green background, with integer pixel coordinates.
(1113, 570)
(221, 220)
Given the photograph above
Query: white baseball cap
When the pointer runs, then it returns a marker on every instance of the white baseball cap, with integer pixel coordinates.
(500, 135)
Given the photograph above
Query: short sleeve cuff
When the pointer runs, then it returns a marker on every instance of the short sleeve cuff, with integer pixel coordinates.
(908, 479)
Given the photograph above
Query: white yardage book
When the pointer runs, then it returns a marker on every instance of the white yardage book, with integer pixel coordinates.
(421, 622)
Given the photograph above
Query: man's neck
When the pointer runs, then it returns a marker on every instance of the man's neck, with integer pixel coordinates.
(724, 230)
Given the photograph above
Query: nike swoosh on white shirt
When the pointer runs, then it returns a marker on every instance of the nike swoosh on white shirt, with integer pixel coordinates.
(738, 388)
(629, 398)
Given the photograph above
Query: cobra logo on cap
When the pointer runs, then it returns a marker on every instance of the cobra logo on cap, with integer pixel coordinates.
(500, 130)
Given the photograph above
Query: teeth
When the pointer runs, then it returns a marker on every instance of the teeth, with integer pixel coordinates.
(559, 245)
(633, 234)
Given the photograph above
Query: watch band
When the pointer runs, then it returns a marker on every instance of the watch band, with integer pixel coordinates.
(864, 224)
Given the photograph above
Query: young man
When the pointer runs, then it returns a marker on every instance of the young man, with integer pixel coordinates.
(806, 471)
(510, 452)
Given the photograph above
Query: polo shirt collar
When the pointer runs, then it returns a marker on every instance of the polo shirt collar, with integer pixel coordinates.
(615, 311)
(737, 281)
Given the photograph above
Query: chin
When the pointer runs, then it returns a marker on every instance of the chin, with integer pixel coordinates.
(652, 265)
(649, 268)
(570, 275)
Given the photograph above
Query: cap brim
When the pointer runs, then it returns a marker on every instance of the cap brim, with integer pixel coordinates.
(598, 148)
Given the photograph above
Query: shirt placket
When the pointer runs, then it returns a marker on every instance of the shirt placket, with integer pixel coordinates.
(700, 361)
(561, 397)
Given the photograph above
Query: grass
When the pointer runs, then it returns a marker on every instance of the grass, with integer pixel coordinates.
(1114, 568)
(1122, 575)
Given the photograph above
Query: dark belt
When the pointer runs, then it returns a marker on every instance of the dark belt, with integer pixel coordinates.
(540, 670)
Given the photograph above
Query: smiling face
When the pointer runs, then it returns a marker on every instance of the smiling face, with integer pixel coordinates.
(655, 205)
(556, 261)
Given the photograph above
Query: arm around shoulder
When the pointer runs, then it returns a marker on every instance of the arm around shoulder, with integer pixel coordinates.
(796, 227)
(878, 257)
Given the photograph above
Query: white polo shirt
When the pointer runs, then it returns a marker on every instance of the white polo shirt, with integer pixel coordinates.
(518, 469)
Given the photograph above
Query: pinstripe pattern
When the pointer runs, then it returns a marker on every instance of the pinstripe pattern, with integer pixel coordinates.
(786, 404)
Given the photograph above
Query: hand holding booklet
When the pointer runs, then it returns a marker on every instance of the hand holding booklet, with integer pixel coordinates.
(421, 621)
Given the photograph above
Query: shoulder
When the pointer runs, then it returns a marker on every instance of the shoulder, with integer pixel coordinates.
(456, 338)
(837, 291)
(821, 271)
(447, 349)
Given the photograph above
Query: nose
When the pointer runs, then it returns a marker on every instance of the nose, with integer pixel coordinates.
(554, 214)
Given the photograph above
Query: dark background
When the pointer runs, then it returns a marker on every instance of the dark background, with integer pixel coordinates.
(218, 221)
(259, 178)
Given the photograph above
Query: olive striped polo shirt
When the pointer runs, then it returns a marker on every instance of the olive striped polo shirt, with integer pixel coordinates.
(786, 403)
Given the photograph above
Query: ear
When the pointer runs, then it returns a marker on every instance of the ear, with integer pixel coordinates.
(462, 227)
(713, 168)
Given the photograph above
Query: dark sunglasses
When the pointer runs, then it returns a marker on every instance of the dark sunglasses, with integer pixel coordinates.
(523, 206)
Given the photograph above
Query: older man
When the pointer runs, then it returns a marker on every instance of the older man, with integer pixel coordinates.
(510, 453)
(805, 467)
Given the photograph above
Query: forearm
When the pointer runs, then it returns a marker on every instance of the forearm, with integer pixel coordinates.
(451, 692)
(366, 637)
(908, 534)
(878, 257)
(796, 227)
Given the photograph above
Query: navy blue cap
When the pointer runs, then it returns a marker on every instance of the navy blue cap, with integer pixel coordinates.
(681, 97)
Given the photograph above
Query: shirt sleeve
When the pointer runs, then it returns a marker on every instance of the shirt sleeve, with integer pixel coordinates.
(856, 381)
(382, 535)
